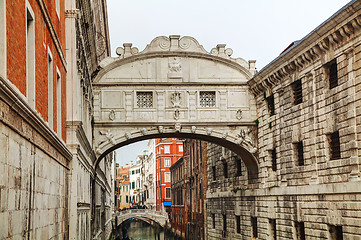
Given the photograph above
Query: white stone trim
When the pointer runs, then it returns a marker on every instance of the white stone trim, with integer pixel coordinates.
(30, 55)
(58, 103)
(3, 52)
(50, 89)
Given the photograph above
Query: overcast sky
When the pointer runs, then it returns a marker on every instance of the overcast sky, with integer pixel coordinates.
(255, 29)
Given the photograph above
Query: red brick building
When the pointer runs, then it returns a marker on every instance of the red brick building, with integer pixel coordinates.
(168, 151)
(195, 173)
(35, 56)
(178, 180)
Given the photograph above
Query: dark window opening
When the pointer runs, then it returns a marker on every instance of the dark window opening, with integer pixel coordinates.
(297, 92)
(224, 223)
(271, 104)
(299, 153)
(274, 159)
(332, 72)
(238, 162)
(213, 220)
(300, 230)
(225, 169)
(254, 227)
(272, 223)
(238, 224)
(334, 141)
(336, 232)
(214, 173)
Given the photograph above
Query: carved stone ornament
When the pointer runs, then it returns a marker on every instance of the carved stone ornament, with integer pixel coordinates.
(225, 135)
(209, 131)
(194, 128)
(108, 136)
(143, 131)
(177, 127)
(176, 99)
(127, 135)
(244, 137)
(176, 114)
(112, 115)
(239, 114)
(160, 129)
(174, 67)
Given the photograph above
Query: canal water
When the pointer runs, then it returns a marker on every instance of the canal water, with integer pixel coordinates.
(138, 230)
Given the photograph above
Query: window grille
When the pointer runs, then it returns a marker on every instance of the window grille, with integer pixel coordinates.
(335, 232)
(271, 104)
(225, 169)
(299, 153)
(224, 223)
(334, 141)
(300, 230)
(213, 220)
(332, 72)
(238, 163)
(238, 222)
(254, 227)
(207, 98)
(297, 91)
(214, 172)
(274, 160)
(144, 99)
(272, 223)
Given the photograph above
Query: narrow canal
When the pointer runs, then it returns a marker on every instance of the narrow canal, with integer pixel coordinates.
(138, 230)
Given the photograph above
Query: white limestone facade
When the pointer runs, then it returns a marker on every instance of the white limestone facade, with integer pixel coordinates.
(149, 169)
(135, 179)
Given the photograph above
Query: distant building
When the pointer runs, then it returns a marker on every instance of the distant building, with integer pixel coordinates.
(123, 188)
(168, 151)
(149, 171)
(178, 225)
(136, 184)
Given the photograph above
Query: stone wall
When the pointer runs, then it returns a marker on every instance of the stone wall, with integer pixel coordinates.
(309, 150)
(33, 174)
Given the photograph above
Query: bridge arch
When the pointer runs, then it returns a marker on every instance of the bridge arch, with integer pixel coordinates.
(159, 218)
(174, 88)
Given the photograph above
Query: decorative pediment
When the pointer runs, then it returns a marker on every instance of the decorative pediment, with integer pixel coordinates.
(176, 44)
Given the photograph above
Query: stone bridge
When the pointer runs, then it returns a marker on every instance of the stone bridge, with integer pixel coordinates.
(175, 88)
(160, 218)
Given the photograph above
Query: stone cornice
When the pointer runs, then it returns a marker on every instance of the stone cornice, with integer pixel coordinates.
(9, 94)
(339, 28)
(52, 31)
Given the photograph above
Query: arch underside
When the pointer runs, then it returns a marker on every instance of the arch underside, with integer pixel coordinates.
(237, 146)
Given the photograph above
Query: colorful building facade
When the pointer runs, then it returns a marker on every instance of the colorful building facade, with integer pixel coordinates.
(123, 187)
(168, 151)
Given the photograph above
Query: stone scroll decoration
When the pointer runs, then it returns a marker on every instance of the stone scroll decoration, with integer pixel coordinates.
(245, 137)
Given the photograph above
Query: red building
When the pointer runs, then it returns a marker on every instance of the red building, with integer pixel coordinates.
(178, 225)
(189, 186)
(168, 151)
(32, 56)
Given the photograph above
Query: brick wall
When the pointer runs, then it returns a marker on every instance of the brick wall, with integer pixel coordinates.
(16, 54)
